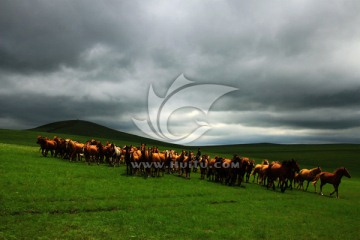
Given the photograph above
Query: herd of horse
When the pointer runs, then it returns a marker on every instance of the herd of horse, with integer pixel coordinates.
(150, 161)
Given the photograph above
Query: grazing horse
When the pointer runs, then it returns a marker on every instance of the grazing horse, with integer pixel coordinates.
(308, 175)
(284, 171)
(333, 178)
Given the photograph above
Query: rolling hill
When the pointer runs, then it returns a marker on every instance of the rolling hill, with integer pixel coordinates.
(94, 130)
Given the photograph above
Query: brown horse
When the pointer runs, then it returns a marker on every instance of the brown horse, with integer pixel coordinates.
(128, 159)
(249, 168)
(283, 171)
(61, 146)
(91, 153)
(263, 174)
(158, 161)
(257, 169)
(46, 145)
(210, 175)
(203, 165)
(187, 163)
(136, 159)
(308, 175)
(333, 178)
(75, 149)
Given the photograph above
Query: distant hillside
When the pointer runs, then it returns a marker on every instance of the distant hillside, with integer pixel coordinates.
(85, 128)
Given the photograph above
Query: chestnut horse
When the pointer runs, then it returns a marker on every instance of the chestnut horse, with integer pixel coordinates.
(46, 145)
(75, 149)
(308, 175)
(91, 152)
(333, 178)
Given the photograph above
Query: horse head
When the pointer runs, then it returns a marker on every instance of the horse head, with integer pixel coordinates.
(346, 173)
(294, 166)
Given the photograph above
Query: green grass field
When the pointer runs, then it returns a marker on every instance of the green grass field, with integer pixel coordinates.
(50, 198)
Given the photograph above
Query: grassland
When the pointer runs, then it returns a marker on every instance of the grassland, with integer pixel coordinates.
(50, 198)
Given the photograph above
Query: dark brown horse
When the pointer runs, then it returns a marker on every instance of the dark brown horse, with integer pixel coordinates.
(128, 160)
(203, 163)
(283, 171)
(332, 178)
(234, 170)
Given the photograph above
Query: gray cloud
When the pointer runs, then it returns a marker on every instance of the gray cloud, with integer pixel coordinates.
(295, 64)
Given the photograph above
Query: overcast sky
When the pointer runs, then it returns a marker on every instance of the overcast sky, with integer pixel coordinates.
(295, 65)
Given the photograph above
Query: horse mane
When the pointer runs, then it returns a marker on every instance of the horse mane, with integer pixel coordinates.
(339, 169)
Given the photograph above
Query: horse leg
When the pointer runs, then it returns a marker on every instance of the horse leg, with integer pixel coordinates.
(285, 185)
(282, 185)
(301, 185)
(307, 185)
(335, 190)
(291, 183)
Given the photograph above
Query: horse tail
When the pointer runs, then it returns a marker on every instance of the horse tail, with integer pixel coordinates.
(316, 178)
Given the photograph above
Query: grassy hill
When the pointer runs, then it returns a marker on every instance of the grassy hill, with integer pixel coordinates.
(93, 130)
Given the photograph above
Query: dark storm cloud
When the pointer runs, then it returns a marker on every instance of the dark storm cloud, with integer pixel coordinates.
(295, 64)
(41, 35)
